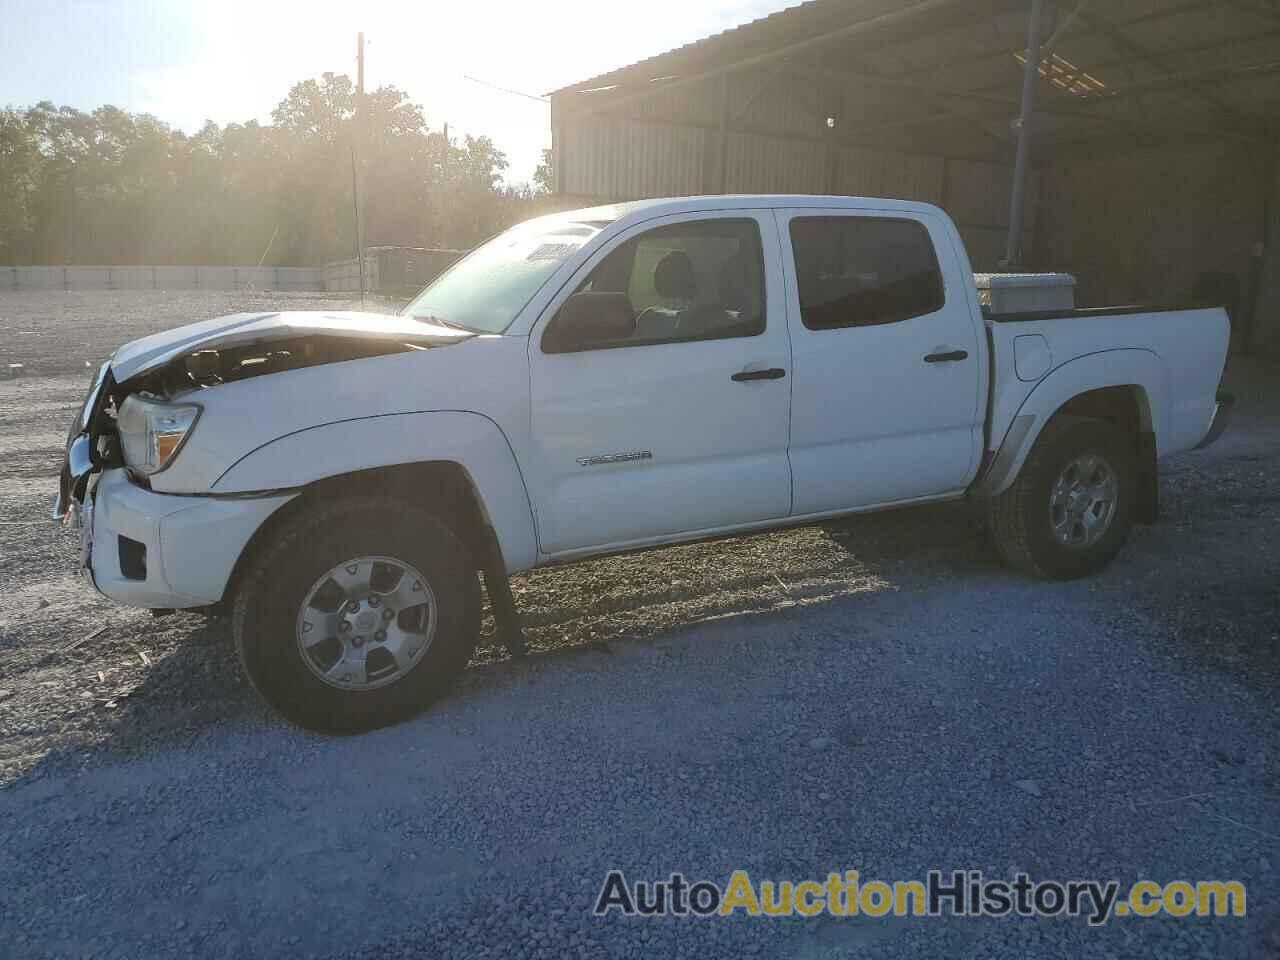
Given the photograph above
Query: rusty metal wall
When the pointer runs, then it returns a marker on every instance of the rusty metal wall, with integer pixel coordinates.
(628, 160)
(608, 158)
(871, 173)
(758, 164)
(1142, 226)
(976, 195)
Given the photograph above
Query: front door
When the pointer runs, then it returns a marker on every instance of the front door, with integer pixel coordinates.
(678, 423)
(886, 396)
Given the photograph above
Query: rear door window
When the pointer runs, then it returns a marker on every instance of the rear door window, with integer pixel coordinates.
(863, 271)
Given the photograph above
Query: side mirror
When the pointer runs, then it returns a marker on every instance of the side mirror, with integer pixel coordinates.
(588, 320)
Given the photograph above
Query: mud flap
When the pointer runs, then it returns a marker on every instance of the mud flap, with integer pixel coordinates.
(1147, 508)
(498, 587)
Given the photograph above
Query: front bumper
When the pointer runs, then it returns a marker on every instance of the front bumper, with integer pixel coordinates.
(138, 547)
(147, 549)
(1218, 422)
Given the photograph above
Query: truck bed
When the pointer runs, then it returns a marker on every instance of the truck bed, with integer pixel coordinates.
(1173, 358)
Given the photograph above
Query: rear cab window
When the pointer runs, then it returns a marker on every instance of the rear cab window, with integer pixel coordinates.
(857, 271)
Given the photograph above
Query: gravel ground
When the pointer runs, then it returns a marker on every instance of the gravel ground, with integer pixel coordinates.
(876, 694)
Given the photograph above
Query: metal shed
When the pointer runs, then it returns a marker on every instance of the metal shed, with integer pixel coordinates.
(1134, 143)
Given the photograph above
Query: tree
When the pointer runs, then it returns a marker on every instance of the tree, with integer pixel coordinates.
(544, 179)
(19, 172)
(109, 186)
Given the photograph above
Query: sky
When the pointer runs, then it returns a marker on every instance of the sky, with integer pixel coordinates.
(188, 61)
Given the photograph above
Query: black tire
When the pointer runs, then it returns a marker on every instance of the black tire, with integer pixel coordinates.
(279, 577)
(1019, 518)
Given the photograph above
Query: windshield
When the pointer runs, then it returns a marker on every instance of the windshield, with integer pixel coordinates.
(484, 291)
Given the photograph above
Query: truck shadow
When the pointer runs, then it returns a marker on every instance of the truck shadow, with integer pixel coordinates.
(194, 680)
(191, 681)
(639, 595)
(195, 683)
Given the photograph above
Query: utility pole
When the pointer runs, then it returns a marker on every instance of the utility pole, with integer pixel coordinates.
(358, 158)
(355, 209)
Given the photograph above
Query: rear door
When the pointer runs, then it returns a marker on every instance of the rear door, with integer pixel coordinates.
(680, 426)
(885, 402)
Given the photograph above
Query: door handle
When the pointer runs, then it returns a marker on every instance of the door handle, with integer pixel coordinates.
(773, 373)
(950, 356)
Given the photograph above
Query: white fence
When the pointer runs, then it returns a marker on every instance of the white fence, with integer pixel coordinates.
(162, 278)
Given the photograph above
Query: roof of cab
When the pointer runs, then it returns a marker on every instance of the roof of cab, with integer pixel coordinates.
(632, 210)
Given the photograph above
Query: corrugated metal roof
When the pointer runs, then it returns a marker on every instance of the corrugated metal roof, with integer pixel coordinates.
(774, 28)
(1184, 64)
(794, 24)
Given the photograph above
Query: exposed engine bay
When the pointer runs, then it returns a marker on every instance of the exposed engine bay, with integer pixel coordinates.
(177, 365)
(210, 366)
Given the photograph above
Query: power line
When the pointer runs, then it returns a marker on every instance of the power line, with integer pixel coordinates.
(514, 93)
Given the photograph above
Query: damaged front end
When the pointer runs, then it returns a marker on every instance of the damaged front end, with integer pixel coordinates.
(118, 425)
(80, 461)
(210, 366)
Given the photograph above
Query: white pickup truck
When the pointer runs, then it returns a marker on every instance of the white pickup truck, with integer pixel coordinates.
(597, 381)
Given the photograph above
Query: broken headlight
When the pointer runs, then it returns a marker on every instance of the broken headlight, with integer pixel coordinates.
(152, 433)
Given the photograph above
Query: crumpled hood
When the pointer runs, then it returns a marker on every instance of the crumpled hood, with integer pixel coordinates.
(148, 353)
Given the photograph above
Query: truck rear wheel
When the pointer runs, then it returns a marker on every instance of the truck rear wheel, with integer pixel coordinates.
(357, 615)
(1068, 512)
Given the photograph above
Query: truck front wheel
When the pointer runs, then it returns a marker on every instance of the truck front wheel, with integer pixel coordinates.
(1069, 511)
(357, 614)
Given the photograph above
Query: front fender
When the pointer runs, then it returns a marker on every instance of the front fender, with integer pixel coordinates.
(1110, 368)
(471, 440)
